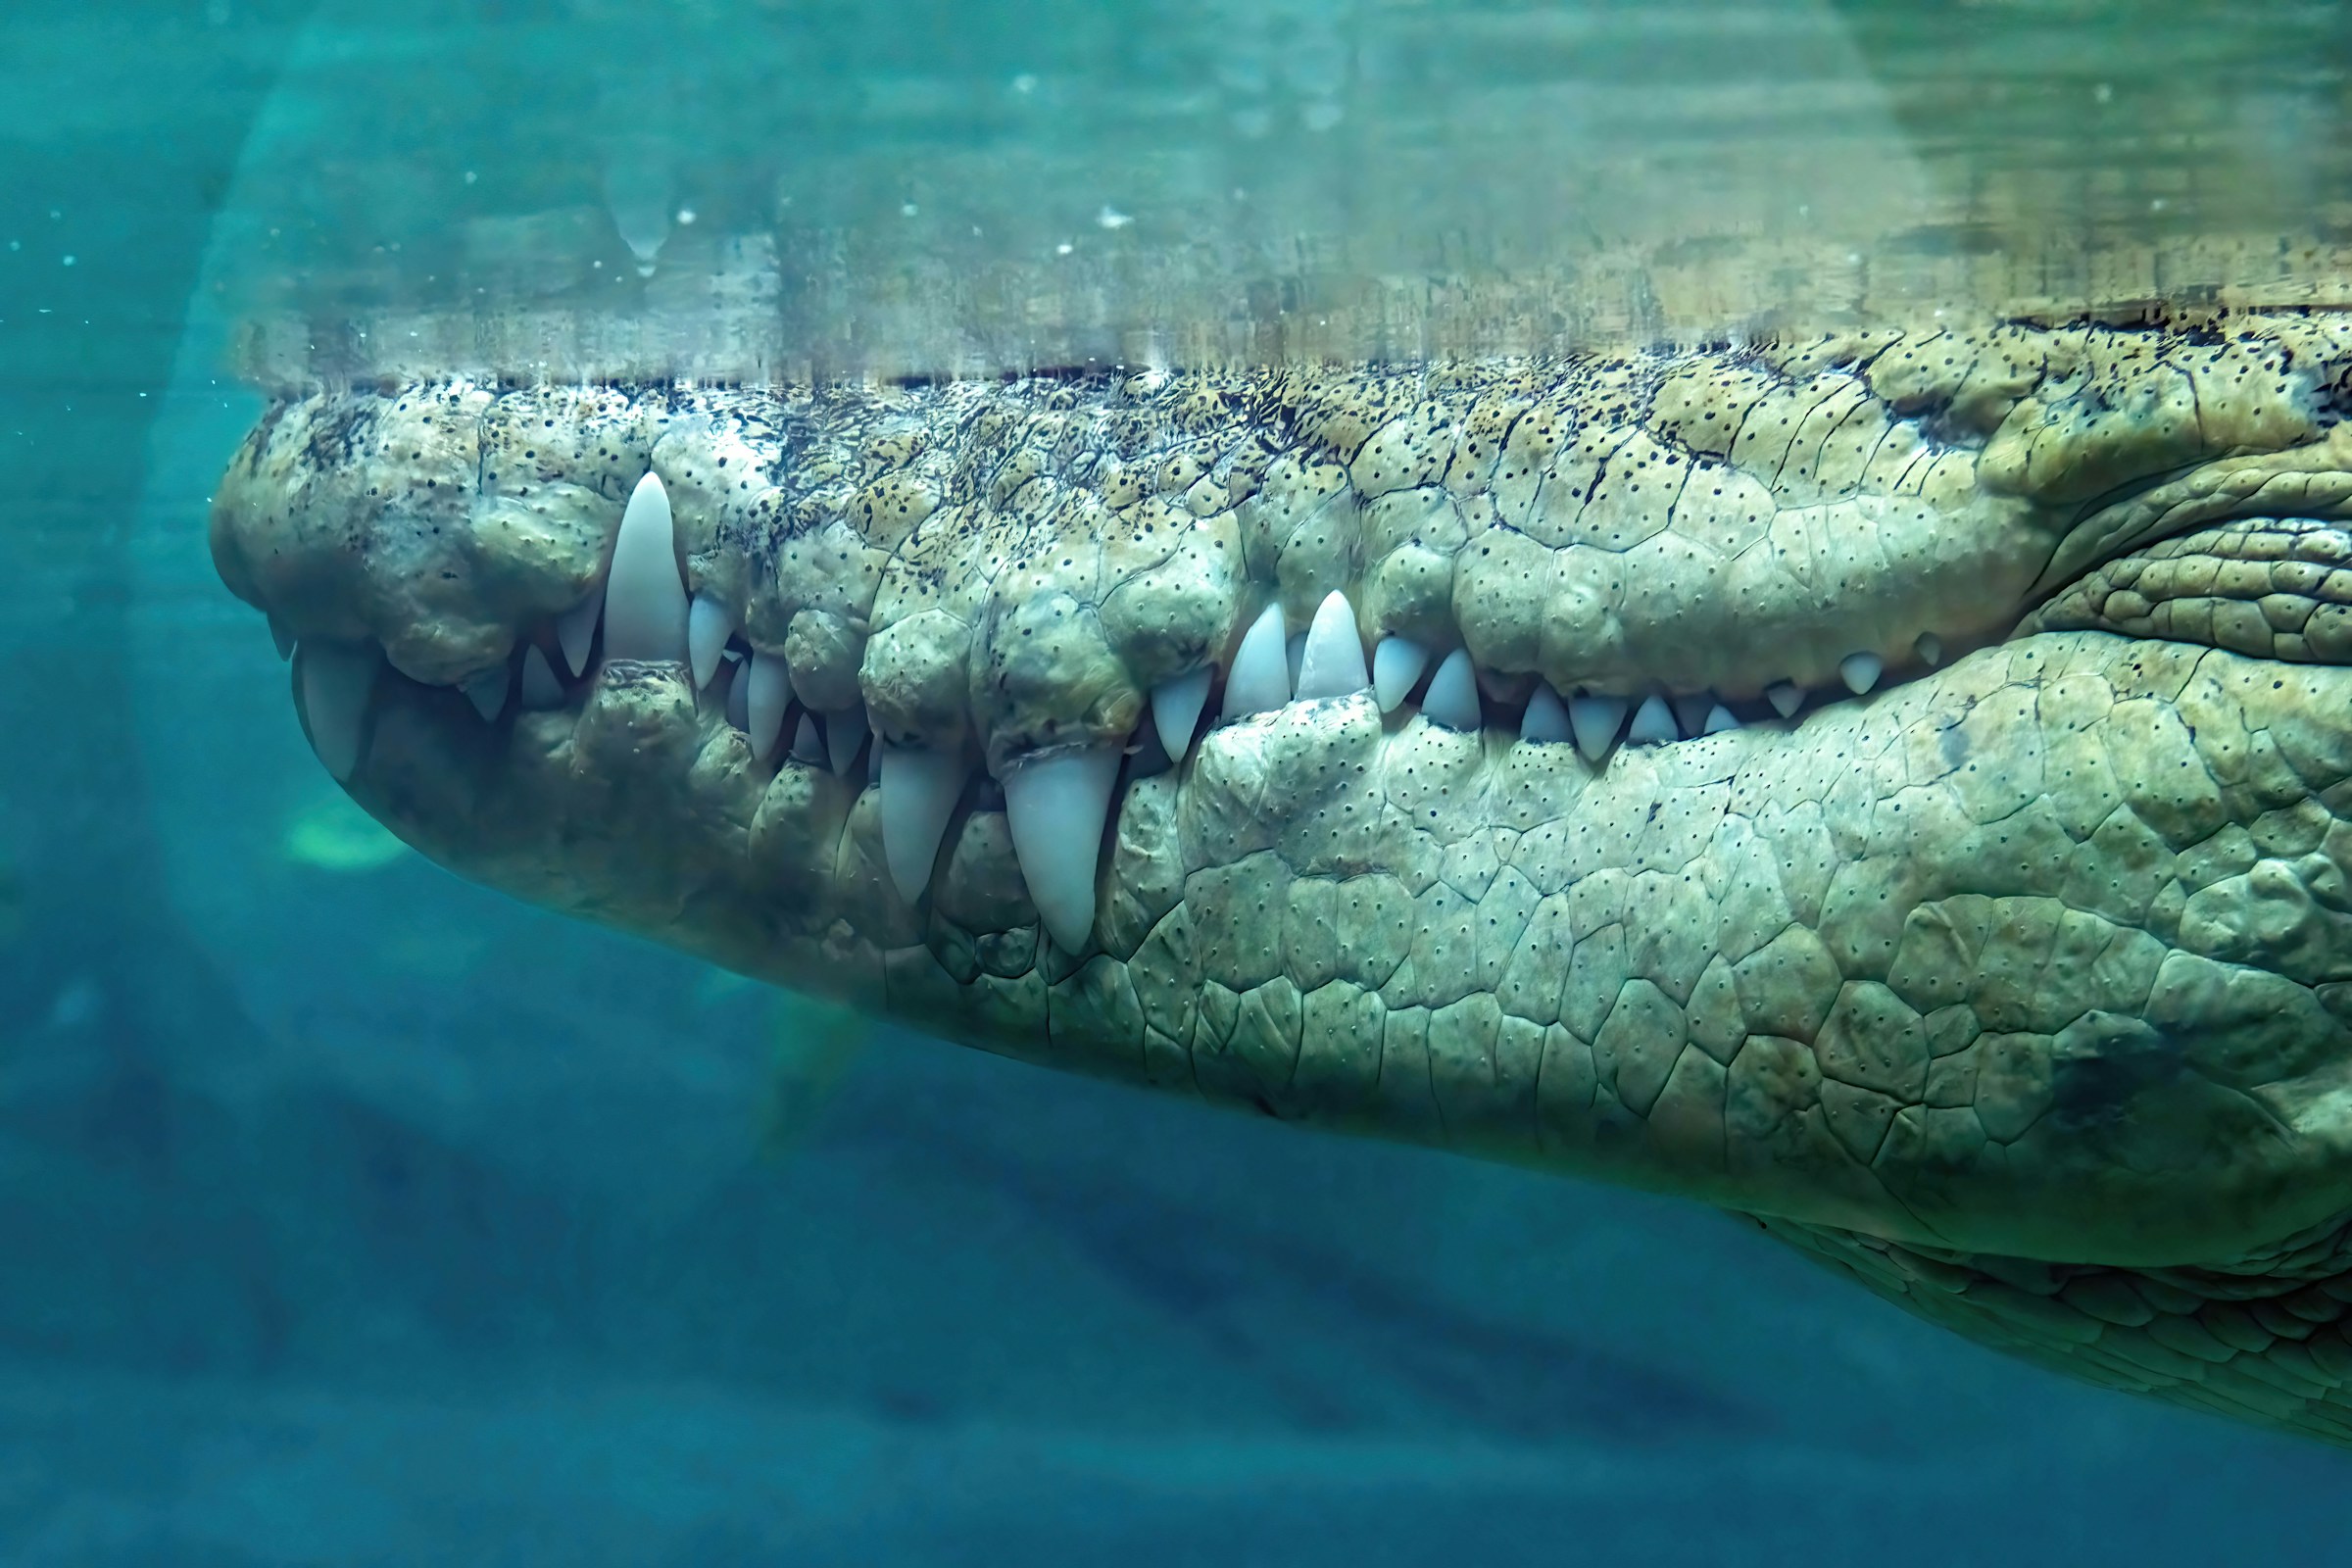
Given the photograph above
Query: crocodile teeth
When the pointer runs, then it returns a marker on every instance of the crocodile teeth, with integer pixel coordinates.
(1690, 711)
(845, 737)
(575, 630)
(738, 676)
(709, 625)
(767, 692)
(807, 746)
(1546, 718)
(1654, 724)
(336, 680)
(645, 600)
(1333, 662)
(1929, 649)
(1397, 663)
(540, 688)
(920, 790)
(1453, 696)
(1055, 806)
(1595, 721)
(1260, 677)
(487, 692)
(1784, 696)
(1176, 711)
(1860, 671)
(1719, 719)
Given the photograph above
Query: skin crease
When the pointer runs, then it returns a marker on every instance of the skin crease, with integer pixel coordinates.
(2016, 987)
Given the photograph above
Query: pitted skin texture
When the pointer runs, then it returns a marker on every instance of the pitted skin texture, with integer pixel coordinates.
(2016, 989)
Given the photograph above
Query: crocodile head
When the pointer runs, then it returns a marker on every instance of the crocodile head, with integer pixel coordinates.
(1883, 785)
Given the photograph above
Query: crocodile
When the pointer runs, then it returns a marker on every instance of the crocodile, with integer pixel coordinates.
(1884, 784)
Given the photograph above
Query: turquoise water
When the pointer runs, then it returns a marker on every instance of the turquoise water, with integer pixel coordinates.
(354, 1215)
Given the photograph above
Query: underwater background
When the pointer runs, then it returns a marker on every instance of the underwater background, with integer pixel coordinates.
(349, 1214)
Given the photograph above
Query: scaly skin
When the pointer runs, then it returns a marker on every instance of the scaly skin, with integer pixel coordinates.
(2018, 987)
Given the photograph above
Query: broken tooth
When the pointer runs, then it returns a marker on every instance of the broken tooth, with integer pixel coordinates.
(1654, 724)
(1929, 649)
(1453, 696)
(1333, 662)
(845, 737)
(488, 692)
(1719, 719)
(1055, 806)
(1260, 677)
(767, 692)
(738, 677)
(645, 600)
(1860, 671)
(575, 630)
(1546, 718)
(709, 625)
(1595, 720)
(920, 790)
(540, 688)
(337, 679)
(1784, 697)
(1397, 663)
(1176, 706)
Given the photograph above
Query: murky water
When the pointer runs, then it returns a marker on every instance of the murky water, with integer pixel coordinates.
(354, 1215)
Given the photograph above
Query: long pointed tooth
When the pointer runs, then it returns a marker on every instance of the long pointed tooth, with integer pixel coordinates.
(845, 737)
(1260, 677)
(575, 630)
(1333, 662)
(1719, 719)
(540, 688)
(738, 676)
(487, 692)
(919, 792)
(645, 600)
(807, 746)
(1595, 721)
(1784, 697)
(1176, 706)
(282, 638)
(709, 625)
(1397, 663)
(1453, 696)
(1860, 671)
(1929, 649)
(767, 692)
(1654, 724)
(1055, 806)
(337, 679)
(1546, 718)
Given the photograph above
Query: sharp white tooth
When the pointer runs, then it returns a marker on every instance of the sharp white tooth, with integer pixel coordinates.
(845, 737)
(1784, 696)
(1333, 665)
(487, 692)
(645, 600)
(337, 679)
(1860, 671)
(1176, 711)
(1546, 718)
(575, 630)
(540, 688)
(283, 638)
(1690, 711)
(1654, 724)
(1720, 718)
(738, 676)
(1929, 649)
(768, 691)
(1453, 696)
(1595, 721)
(709, 625)
(1055, 806)
(1397, 663)
(920, 790)
(807, 746)
(1260, 677)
